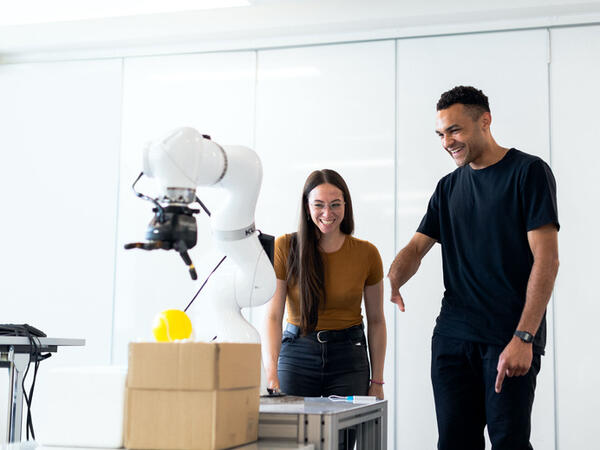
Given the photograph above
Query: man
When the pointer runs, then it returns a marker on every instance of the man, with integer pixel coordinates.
(496, 219)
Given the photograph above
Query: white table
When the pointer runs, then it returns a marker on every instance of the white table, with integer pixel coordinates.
(15, 355)
(262, 444)
(275, 444)
(318, 421)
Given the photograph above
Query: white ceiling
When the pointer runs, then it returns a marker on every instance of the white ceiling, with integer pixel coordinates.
(27, 12)
(180, 24)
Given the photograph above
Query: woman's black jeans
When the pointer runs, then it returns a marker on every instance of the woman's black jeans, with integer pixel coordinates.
(323, 363)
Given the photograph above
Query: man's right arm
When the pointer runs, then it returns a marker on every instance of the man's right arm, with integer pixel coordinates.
(406, 263)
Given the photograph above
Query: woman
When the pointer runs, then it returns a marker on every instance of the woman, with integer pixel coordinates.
(322, 274)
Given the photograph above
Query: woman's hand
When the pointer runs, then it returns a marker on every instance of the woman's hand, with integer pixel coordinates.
(376, 390)
(272, 379)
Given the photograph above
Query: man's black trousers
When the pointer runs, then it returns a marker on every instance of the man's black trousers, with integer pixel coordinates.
(464, 374)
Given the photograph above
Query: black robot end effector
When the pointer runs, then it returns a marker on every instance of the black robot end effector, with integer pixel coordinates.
(172, 227)
(182, 249)
(154, 245)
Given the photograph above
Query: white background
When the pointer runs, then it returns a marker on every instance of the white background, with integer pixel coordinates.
(576, 160)
(72, 132)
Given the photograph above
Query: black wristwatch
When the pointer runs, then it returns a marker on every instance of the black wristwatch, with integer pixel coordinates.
(524, 336)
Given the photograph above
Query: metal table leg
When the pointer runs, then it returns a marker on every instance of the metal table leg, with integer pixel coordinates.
(320, 422)
(17, 365)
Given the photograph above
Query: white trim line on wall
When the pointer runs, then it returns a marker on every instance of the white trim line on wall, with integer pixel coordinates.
(71, 43)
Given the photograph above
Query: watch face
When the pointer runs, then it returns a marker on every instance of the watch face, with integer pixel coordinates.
(524, 336)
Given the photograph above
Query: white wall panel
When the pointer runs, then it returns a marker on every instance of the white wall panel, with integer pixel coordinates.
(213, 93)
(59, 124)
(574, 99)
(511, 69)
(330, 107)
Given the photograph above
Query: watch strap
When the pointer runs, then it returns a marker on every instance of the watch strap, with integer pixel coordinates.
(525, 336)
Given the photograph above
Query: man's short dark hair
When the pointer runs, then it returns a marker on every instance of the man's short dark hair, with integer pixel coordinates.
(475, 101)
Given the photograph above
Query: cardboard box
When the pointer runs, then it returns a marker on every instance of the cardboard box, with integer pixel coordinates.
(192, 395)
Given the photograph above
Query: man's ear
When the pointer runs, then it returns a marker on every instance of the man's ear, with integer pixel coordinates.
(485, 120)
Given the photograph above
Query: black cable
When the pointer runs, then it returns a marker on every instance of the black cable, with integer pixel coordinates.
(27, 402)
(161, 210)
(36, 366)
(35, 356)
(203, 206)
(33, 353)
(203, 284)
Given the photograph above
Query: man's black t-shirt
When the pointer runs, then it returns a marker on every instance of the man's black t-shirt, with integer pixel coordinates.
(481, 219)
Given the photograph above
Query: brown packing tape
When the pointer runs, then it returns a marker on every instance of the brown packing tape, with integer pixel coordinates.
(236, 417)
(238, 365)
(216, 365)
(196, 366)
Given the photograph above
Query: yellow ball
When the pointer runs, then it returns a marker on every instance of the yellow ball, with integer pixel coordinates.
(170, 325)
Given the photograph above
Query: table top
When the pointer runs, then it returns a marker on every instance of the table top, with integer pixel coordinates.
(7, 341)
(261, 444)
(311, 405)
(274, 444)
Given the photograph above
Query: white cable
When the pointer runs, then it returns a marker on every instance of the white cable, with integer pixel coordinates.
(364, 399)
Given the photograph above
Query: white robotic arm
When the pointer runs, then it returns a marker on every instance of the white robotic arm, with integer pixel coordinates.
(184, 159)
(180, 162)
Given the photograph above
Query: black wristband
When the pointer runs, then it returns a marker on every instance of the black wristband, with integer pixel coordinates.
(524, 336)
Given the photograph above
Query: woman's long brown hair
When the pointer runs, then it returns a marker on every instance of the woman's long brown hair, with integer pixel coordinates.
(305, 265)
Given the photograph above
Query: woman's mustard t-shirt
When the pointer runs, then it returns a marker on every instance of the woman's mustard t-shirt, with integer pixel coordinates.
(347, 271)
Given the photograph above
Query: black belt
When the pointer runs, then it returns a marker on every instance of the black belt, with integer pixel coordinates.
(324, 336)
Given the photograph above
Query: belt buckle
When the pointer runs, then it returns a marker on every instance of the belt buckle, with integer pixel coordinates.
(319, 337)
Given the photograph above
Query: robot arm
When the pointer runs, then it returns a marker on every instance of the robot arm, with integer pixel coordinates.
(184, 160)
